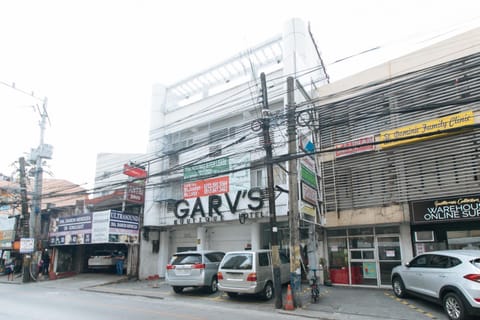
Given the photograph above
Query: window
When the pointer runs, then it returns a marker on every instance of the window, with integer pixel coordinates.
(424, 236)
(420, 262)
(238, 261)
(437, 261)
(214, 256)
(257, 179)
(263, 259)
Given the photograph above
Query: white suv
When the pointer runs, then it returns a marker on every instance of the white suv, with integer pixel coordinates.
(449, 277)
(194, 269)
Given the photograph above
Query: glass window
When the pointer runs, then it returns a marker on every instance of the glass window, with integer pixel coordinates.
(337, 233)
(420, 261)
(361, 242)
(465, 239)
(360, 231)
(387, 230)
(214, 256)
(438, 261)
(263, 259)
(389, 248)
(186, 259)
(238, 261)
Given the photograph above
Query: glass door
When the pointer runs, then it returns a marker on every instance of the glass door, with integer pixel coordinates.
(363, 266)
(389, 256)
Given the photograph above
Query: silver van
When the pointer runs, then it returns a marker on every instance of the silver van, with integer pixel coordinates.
(194, 269)
(251, 272)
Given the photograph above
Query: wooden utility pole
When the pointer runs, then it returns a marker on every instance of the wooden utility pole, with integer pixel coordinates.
(267, 142)
(293, 215)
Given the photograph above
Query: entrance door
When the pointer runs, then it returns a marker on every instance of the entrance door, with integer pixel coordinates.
(389, 256)
(363, 266)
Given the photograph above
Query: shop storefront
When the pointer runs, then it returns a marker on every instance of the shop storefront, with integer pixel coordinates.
(446, 223)
(363, 255)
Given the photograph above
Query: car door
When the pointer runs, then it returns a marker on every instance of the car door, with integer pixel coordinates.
(436, 275)
(413, 273)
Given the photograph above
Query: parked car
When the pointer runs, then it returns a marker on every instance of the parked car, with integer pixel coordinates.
(103, 259)
(194, 269)
(449, 277)
(251, 272)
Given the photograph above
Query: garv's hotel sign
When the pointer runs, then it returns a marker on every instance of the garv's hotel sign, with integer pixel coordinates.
(446, 210)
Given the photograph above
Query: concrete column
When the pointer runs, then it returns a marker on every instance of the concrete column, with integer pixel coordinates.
(255, 235)
(406, 246)
(163, 254)
(202, 238)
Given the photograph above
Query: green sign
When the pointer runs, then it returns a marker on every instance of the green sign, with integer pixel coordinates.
(308, 176)
(206, 169)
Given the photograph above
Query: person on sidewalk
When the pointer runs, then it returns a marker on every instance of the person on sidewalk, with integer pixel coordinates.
(46, 262)
(9, 269)
(119, 258)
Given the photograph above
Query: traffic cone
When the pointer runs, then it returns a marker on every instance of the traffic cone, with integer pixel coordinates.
(289, 304)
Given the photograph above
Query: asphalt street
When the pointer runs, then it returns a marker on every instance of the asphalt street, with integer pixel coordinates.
(335, 303)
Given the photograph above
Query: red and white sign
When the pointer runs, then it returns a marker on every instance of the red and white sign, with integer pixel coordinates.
(136, 192)
(355, 146)
(134, 172)
(207, 187)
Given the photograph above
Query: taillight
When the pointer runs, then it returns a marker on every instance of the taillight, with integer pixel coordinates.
(170, 267)
(198, 266)
(472, 277)
(252, 277)
(219, 276)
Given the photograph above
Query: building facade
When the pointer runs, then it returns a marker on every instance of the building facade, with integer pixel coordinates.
(398, 145)
(207, 187)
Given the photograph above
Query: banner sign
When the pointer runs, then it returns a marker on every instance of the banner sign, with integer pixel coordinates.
(412, 131)
(359, 145)
(205, 188)
(70, 230)
(27, 245)
(135, 192)
(465, 208)
(7, 234)
(206, 169)
(134, 172)
(97, 227)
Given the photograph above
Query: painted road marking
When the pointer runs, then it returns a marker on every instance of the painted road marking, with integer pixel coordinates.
(411, 306)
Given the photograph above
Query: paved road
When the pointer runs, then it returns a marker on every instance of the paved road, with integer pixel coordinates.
(336, 303)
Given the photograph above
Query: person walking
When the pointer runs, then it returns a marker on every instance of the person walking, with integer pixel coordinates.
(46, 262)
(119, 259)
(9, 269)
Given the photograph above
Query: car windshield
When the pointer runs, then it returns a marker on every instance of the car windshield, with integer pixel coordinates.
(238, 261)
(186, 259)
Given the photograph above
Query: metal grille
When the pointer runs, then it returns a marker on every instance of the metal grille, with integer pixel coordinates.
(437, 167)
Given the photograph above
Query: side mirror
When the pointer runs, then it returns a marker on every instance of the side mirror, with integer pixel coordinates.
(407, 264)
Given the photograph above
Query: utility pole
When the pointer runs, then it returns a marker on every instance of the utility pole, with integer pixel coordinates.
(24, 220)
(293, 215)
(43, 151)
(267, 142)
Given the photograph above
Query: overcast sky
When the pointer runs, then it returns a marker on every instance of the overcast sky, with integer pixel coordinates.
(96, 61)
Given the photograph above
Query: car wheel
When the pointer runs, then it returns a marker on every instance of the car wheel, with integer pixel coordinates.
(177, 289)
(213, 287)
(453, 306)
(398, 287)
(232, 294)
(267, 292)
